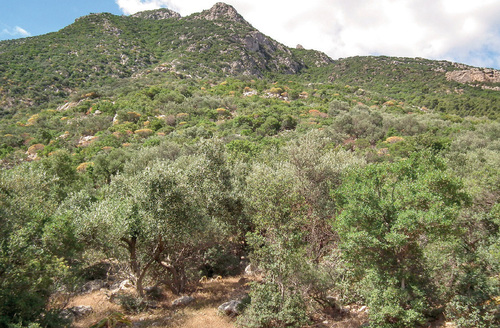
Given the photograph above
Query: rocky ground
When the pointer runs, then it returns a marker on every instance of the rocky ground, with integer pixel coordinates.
(211, 304)
(201, 311)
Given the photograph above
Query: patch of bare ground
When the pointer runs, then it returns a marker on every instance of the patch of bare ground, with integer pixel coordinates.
(203, 311)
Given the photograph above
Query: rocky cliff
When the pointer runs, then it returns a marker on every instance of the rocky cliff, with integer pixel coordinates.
(157, 14)
(474, 75)
(221, 11)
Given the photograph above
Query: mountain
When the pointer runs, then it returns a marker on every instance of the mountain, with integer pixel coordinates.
(101, 48)
(431, 84)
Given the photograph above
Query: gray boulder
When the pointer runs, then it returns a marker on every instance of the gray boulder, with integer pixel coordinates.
(76, 312)
(230, 308)
(81, 310)
(252, 270)
(182, 301)
(93, 285)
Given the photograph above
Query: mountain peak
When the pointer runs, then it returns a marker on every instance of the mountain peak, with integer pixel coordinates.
(157, 14)
(222, 10)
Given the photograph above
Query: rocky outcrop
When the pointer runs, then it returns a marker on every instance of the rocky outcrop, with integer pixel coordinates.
(474, 75)
(158, 14)
(221, 11)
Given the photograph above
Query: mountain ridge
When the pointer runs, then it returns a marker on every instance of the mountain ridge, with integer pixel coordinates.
(103, 48)
(100, 47)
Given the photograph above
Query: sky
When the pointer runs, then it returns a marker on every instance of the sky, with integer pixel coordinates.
(465, 31)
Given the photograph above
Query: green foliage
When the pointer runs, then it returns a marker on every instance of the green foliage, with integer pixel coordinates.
(391, 306)
(108, 164)
(131, 304)
(474, 304)
(386, 213)
(176, 156)
(269, 308)
(32, 263)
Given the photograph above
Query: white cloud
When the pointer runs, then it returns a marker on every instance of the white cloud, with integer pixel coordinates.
(132, 6)
(15, 32)
(459, 30)
(185, 7)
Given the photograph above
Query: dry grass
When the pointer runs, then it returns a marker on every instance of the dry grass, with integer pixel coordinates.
(191, 318)
(99, 303)
(203, 311)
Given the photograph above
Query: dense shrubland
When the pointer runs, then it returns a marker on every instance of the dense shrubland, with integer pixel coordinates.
(336, 197)
(370, 180)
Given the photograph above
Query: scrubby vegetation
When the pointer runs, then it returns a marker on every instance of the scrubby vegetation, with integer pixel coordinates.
(340, 194)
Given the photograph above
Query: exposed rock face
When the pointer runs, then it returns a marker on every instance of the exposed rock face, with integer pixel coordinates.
(221, 11)
(159, 14)
(474, 75)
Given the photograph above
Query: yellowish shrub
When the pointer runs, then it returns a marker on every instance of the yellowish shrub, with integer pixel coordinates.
(32, 150)
(133, 116)
(317, 113)
(144, 132)
(394, 139)
(276, 91)
(84, 166)
(33, 119)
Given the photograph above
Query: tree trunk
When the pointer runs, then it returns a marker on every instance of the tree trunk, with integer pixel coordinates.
(140, 273)
(178, 282)
(134, 264)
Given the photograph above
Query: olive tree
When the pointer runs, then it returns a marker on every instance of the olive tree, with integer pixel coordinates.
(163, 216)
(290, 208)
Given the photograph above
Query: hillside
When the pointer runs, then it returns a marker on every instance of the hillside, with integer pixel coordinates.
(437, 85)
(102, 48)
(155, 167)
